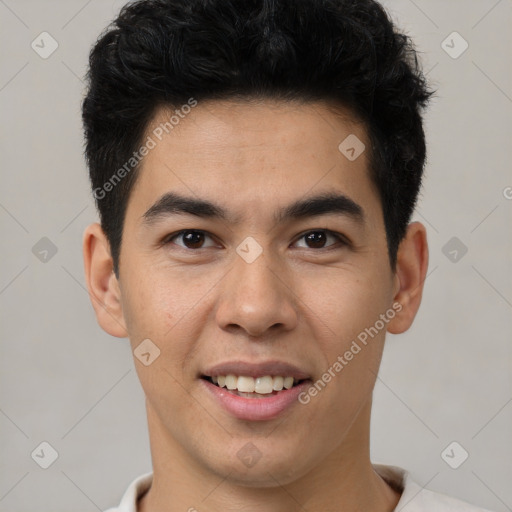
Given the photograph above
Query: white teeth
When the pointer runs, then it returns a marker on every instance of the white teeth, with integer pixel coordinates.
(231, 381)
(278, 383)
(245, 384)
(288, 382)
(261, 385)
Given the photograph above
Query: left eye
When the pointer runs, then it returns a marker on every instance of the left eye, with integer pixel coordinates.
(317, 239)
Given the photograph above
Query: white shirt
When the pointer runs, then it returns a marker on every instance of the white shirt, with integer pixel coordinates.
(414, 498)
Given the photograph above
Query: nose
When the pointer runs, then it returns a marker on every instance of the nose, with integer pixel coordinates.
(256, 298)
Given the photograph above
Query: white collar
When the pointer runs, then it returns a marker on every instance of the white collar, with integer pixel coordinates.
(414, 498)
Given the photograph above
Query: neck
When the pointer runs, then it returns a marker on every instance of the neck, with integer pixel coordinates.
(344, 480)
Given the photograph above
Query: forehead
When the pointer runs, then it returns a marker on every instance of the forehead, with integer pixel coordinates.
(252, 153)
(235, 126)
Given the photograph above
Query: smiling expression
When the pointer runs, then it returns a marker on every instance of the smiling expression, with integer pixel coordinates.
(249, 238)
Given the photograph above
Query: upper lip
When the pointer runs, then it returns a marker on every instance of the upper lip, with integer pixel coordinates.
(273, 368)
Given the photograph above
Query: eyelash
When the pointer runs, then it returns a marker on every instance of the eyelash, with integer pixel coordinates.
(342, 240)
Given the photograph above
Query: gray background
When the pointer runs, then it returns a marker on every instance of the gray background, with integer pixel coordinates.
(64, 381)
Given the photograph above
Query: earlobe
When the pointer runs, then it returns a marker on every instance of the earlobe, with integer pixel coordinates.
(102, 283)
(411, 271)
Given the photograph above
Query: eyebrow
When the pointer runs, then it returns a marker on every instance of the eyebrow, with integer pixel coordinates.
(328, 203)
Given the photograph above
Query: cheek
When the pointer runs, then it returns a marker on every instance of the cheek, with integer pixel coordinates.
(156, 311)
(342, 303)
(343, 309)
(171, 309)
(156, 301)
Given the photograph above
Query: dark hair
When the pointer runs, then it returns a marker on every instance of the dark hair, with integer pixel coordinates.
(164, 52)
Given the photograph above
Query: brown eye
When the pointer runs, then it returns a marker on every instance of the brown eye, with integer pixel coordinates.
(317, 239)
(191, 239)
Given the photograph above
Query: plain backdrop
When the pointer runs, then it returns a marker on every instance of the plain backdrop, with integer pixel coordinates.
(67, 383)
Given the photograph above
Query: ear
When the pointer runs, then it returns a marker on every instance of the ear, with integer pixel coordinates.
(411, 271)
(102, 283)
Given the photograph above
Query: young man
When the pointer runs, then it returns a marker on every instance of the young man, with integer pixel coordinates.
(255, 164)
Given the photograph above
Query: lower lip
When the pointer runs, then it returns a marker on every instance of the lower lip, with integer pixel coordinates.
(256, 409)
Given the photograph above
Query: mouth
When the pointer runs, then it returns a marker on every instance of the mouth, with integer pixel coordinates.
(247, 386)
(254, 391)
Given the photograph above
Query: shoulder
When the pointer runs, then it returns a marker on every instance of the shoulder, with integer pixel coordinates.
(135, 490)
(415, 498)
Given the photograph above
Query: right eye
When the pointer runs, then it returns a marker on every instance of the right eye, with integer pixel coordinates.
(191, 239)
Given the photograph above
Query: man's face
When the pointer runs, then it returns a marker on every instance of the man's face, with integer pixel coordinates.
(209, 297)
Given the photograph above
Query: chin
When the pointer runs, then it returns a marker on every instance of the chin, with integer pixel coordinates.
(259, 472)
(265, 477)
